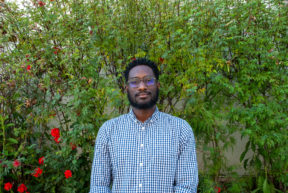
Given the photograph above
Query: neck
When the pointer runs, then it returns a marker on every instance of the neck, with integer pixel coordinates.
(143, 114)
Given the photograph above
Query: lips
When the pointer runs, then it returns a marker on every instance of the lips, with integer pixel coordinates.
(142, 94)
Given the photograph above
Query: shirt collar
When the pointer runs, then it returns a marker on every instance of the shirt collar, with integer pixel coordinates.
(151, 119)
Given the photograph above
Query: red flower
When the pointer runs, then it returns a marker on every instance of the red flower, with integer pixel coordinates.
(8, 186)
(41, 3)
(90, 32)
(16, 163)
(27, 55)
(73, 146)
(218, 189)
(22, 188)
(41, 160)
(133, 58)
(161, 60)
(28, 68)
(37, 172)
(55, 132)
(68, 174)
(56, 50)
(56, 139)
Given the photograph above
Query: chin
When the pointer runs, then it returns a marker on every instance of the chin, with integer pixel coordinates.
(143, 106)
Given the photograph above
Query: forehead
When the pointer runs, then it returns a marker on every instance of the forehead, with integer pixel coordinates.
(141, 71)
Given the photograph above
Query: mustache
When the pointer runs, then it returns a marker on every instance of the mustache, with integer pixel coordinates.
(145, 92)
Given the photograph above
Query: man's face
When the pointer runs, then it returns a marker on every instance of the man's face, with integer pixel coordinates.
(143, 96)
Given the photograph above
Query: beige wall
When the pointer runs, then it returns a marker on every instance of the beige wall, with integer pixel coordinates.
(232, 155)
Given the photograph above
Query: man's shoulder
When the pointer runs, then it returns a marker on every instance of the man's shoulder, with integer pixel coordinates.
(180, 125)
(116, 120)
(174, 120)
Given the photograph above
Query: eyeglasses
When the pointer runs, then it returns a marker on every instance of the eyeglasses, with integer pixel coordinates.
(135, 82)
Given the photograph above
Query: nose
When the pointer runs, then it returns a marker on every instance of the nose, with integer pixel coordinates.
(142, 85)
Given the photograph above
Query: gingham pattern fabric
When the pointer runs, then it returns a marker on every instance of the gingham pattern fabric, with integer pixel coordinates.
(157, 156)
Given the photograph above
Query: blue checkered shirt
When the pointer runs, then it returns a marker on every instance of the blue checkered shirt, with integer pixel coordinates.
(157, 156)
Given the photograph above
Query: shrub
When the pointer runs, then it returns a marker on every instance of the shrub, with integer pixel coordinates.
(223, 68)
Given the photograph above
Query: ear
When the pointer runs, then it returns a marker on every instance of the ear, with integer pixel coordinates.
(158, 85)
(126, 88)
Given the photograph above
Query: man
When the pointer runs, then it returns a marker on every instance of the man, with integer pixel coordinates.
(145, 150)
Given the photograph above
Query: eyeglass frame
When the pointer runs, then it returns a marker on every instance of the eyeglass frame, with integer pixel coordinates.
(142, 80)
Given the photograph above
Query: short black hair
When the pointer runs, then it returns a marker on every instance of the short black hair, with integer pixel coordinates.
(141, 61)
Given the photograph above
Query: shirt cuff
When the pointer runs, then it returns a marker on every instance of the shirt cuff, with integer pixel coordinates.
(179, 189)
(102, 189)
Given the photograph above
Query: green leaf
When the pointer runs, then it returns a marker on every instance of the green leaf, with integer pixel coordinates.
(12, 140)
(245, 151)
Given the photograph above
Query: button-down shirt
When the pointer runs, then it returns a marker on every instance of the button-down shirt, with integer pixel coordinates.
(157, 156)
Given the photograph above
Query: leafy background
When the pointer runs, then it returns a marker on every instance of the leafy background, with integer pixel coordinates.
(223, 68)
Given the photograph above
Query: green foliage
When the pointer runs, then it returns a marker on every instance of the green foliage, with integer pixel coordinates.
(223, 68)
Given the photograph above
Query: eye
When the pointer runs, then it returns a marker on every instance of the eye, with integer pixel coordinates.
(134, 83)
(150, 81)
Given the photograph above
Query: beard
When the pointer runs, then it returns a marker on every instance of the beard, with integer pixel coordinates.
(146, 105)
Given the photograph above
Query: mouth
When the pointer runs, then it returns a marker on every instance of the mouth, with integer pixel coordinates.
(143, 95)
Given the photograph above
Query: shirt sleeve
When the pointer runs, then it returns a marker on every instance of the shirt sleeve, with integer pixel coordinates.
(186, 180)
(101, 166)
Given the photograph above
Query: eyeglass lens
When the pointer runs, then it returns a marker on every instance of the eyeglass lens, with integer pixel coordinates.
(135, 82)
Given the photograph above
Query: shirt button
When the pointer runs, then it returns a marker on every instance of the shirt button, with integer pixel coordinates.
(143, 128)
(142, 145)
(140, 185)
(141, 164)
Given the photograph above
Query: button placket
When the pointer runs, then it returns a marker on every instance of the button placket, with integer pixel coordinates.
(140, 163)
